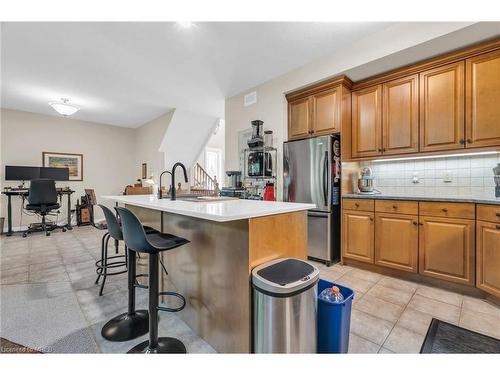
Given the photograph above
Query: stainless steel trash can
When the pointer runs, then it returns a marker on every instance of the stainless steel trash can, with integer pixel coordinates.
(284, 306)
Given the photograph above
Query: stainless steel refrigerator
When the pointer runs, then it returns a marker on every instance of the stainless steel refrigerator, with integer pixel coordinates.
(311, 174)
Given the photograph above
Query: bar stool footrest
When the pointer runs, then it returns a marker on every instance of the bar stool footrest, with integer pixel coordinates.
(137, 284)
(170, 309)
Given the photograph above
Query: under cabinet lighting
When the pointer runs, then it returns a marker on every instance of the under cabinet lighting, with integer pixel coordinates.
(437, 156)
(64, 108)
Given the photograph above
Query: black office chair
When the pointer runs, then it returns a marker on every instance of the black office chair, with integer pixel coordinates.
(42, 199)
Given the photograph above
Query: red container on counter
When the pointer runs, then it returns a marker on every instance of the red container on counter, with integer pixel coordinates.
(269, 192)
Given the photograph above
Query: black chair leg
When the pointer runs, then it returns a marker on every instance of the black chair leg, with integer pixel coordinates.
(132, 324)
(116, 246)
(44, 226)
(104, 263)
(156, 344)
(102, 257)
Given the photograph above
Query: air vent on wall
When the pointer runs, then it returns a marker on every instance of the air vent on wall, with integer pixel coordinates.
(250, 99)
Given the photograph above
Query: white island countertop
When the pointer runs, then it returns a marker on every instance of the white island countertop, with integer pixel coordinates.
(221, 211)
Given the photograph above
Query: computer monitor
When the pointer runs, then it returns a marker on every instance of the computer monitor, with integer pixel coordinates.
(25, 173)
(21, 173)
(58, 174)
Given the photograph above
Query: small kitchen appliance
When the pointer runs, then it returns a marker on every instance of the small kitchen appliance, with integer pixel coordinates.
(269, 192)
(365, 181)
(235, 186)
(257, 139)
(496, 171)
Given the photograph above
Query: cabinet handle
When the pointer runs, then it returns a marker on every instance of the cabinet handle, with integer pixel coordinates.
(394, 207)
(371, 219)
(445, 210)
(356, 204)
(498, 227)
(379, 150)
(498, 214)
(462, 141)
(469, 140)
(420, 223)
(415, 223)
(383, 150)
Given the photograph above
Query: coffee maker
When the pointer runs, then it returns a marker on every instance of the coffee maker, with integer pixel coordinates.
(234, 186)
(259, 162)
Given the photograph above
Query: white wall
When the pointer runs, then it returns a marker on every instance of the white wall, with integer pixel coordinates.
(148, 140)
(271, 104)
(108, 153)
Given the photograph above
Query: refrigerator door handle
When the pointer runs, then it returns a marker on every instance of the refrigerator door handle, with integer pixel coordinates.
(325, 178)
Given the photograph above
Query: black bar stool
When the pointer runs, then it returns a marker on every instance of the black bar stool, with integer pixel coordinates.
(137, 239)
(133, 323)
(105, 265)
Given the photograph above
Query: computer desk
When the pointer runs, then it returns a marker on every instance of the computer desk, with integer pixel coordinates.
(24, 193)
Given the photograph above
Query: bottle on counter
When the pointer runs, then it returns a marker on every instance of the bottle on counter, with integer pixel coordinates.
(332, 295)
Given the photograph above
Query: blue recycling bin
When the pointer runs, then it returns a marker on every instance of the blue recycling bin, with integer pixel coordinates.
(334, 320)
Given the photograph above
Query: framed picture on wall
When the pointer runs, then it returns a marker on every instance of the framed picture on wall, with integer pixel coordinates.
(64, 160)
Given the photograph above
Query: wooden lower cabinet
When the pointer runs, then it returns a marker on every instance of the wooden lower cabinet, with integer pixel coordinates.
(358, 235)
(396, 241)
(446, 249)
(488, 257)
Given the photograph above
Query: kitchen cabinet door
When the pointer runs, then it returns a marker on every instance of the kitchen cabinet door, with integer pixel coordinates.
(358, 235)
(442, 100)
(488, 257)
(482, 100)
(447, 249)
(396, 241)
(400, 116)
(367, 122)
(326, 112)
(299, 118)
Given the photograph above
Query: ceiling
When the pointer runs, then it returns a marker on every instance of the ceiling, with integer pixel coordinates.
(127, 74)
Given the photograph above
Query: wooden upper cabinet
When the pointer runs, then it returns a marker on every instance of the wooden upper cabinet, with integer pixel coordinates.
(442, 104)
(447, 249)
(367, 122)
(320, 109)
(488, 257)
(358, 235)
(326, 111)
(400, 116)
(299, 118)
(396, 241)
(483, 100)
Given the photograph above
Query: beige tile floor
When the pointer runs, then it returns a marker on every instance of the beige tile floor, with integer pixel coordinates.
(48, 299)
(390, 315)
(47, 291)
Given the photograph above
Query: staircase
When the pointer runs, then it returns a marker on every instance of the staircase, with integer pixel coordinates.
(203, 183)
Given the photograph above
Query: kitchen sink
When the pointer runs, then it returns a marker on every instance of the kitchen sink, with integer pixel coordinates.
(204, 199)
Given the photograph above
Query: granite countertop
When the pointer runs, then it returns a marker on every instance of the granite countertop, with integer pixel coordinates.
(219, 210)
(465, 199)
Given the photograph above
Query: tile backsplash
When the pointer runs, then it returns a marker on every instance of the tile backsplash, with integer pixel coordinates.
(440, 176)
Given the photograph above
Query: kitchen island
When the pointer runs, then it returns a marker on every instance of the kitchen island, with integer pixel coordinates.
(228, 239)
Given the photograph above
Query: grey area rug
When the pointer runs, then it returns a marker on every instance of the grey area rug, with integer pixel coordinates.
(444, 337)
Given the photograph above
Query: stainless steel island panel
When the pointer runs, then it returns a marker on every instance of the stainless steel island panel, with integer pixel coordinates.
(212, 273)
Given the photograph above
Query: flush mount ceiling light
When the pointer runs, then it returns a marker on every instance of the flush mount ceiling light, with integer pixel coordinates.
(185, 24)
(64, 108)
